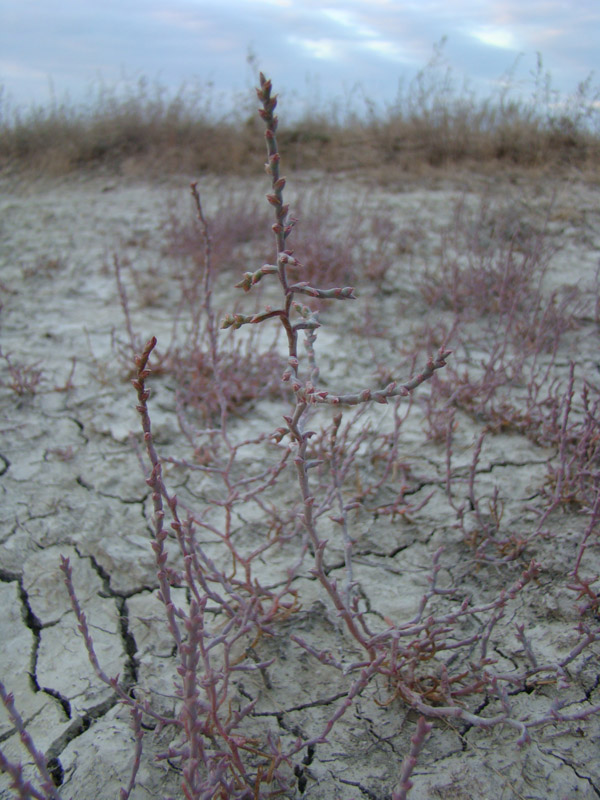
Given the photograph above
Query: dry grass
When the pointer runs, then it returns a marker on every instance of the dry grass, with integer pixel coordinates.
(431, 124)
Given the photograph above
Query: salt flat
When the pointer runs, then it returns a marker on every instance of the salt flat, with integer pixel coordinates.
(72, 483)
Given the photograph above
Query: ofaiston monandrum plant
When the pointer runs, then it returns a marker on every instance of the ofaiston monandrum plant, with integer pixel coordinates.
(307, 393)
(194, 641)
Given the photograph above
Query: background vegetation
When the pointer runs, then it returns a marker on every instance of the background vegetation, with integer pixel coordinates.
(433, 122)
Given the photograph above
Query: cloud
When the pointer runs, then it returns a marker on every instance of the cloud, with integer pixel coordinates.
(388, 50)
(322, 49)
(335, 42)
(496, 37)
(182, 19)
(348, 21)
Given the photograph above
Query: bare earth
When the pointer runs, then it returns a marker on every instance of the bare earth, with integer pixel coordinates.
(71, 484)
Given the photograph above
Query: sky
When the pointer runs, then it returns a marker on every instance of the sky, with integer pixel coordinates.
(356, 51)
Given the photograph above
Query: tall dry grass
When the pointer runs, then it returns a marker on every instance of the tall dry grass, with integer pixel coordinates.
(433, 122)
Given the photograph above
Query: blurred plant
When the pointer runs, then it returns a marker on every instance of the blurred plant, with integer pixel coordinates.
(23, 379)
(491, 276)
(575, 478)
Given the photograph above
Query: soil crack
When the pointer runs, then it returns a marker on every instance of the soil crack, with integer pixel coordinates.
(130, 671)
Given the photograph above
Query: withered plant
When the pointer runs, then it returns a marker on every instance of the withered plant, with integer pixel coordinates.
(22, 379)
(508, 333)
(200, 253)
(491, 277)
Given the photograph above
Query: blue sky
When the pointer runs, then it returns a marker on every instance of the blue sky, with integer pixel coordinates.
(309, 48)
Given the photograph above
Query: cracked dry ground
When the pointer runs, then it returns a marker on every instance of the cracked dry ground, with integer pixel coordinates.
(72, 485)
